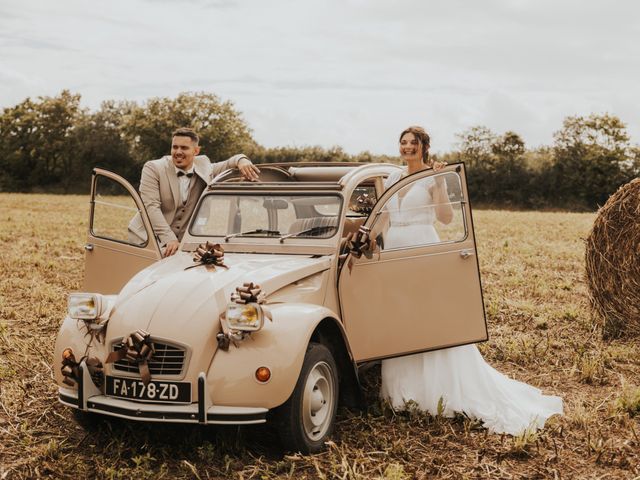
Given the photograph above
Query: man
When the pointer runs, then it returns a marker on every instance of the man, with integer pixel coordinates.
(171, 186)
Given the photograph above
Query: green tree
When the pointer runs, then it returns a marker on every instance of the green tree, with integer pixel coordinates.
(148, 127)
(475, 149)
(475, 146)
(592, 158)
(37, 142)
(99, 142)
(497, 168)
(511, 179)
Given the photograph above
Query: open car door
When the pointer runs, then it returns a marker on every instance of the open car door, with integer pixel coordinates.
(419, 290)
(115, 252)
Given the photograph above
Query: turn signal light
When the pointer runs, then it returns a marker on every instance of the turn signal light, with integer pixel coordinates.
(263, 374)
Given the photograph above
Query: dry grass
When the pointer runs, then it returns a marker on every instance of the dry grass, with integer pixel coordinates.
(541, 332)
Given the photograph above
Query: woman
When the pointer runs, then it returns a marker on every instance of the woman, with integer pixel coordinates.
(455, 379)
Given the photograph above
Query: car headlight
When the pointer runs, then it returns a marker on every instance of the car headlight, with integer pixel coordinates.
(244, 317)
(85, 306)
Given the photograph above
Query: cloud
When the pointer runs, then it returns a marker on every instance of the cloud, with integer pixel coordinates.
(338, 72)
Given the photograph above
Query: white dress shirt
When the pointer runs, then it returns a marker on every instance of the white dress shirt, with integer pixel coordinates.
(185, 182)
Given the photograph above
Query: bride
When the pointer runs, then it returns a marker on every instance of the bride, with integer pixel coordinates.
(454, 379)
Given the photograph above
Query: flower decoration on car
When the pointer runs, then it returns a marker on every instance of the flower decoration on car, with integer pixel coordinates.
(364, 204)
(137, 348)
(209, 254)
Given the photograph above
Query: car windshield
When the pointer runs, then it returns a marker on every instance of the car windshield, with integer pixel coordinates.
(267, 215)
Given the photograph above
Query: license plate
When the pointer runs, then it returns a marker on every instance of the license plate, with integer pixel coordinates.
(154, 391)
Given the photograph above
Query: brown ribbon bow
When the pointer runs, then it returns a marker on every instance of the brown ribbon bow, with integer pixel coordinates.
(71, 372)
(69, 369)
(209, 254)
(248, 293)
(358, 244)
(137, 348)
(251, 292)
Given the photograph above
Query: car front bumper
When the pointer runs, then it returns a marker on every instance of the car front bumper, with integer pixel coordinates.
(89, 399)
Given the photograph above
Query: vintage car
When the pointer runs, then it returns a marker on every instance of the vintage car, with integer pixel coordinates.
(280, 291)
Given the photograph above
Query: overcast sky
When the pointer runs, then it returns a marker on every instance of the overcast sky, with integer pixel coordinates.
(352, 73)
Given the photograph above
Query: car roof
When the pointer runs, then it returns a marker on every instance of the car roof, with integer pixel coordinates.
(324, 175)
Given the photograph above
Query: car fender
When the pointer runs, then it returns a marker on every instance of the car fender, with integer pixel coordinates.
(280, 346)
(73, 334)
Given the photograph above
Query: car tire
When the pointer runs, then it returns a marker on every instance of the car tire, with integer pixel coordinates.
(306, 419)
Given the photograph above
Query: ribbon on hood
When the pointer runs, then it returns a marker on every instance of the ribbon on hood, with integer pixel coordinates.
(137, 348)
(210, 255)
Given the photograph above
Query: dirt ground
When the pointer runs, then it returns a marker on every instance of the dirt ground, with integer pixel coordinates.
(541, 332)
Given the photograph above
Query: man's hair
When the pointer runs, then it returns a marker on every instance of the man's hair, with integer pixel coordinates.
(187, 132)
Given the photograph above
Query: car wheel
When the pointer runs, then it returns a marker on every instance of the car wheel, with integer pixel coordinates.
(306, 420)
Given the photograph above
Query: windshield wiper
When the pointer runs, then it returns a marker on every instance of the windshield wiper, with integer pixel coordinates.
(252, 232)
(311, 230)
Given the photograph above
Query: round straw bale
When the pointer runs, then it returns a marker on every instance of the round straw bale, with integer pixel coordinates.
(612, 261)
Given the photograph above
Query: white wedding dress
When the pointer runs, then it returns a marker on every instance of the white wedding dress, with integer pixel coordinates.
(457, 379)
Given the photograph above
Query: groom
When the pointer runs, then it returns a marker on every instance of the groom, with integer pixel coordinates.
(171, 186)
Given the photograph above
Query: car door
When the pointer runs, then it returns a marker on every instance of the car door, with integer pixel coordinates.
(120, 241)
(421, 292)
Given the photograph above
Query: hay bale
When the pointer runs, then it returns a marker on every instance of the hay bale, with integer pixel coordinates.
(612, 260)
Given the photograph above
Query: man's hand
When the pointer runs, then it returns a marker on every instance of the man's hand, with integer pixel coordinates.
(248, 170)
(171, 248)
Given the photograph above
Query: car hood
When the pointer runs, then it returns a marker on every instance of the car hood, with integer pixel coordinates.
(182, 305)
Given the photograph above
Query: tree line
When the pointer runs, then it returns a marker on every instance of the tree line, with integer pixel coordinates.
(51, 144)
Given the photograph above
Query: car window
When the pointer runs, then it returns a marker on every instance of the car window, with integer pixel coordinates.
(267, 215)
(114, 211)
(413, 217)
(362, 201)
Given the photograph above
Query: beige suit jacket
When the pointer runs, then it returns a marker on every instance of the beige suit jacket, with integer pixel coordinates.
(160, 193)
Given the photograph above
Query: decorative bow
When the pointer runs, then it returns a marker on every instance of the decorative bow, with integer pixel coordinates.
(209, 254)
(137, 348)
(71, 371)
(251, 292)
(364, 204)
(358, 244)
(248, 293)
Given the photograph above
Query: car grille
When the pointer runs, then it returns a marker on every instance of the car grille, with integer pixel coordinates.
(168, 360)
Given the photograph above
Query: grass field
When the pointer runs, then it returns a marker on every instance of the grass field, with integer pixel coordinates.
(540, 329)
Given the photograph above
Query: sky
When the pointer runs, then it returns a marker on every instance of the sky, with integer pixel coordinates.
(352, 73)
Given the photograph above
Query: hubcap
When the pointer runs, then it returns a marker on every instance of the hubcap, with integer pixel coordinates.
(318, 401)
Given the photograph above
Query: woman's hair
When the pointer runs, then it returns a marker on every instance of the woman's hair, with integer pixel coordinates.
(422, 136)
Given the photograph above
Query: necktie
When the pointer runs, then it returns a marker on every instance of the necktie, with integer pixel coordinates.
(181, 173)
